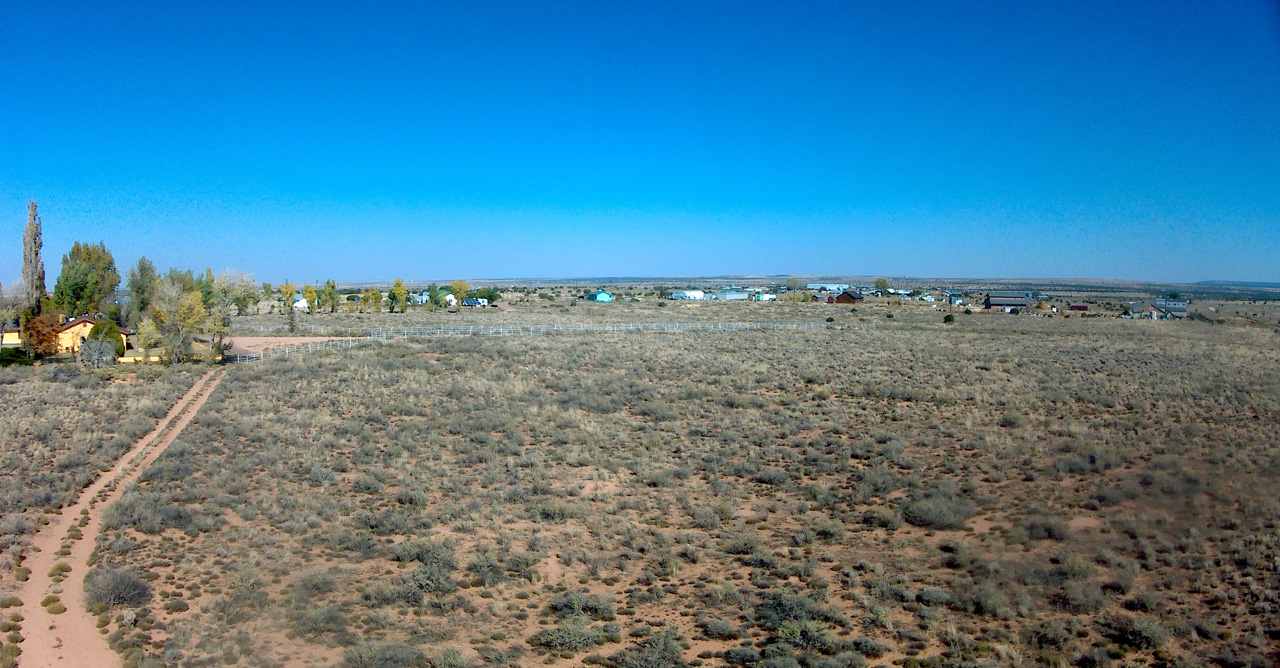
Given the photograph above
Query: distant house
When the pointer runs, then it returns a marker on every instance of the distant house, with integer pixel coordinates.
(301, 304)
(1175, 308)
(1077, 307)
(827, 287)
(475, 301)
(688, 294)
(1003, 300)
(846, 297)
(600, 296)
(449, 299)
(765, 297)
(421, 299)
(728, 296)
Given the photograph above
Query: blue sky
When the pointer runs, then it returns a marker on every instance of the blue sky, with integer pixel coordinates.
(367, 141)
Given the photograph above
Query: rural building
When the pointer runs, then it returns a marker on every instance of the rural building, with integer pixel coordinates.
(827, 287)
(728, 296)
(688, 294)
(1077, 307)
(600, 296)
(765, 297)
(1175, 308)
(475, 301)
(846, 297)
(301, 304)
(1007, 300)
(70, 335)
(449, 299)
(74, 332)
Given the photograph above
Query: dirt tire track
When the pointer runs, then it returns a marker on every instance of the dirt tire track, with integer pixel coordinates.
(72, 639)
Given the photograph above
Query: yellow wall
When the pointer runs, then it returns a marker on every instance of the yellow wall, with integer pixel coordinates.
(11, 338)
(69, 339)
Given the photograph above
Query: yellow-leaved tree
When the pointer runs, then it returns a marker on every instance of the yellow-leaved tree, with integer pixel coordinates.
(399, 297)
(309, 294)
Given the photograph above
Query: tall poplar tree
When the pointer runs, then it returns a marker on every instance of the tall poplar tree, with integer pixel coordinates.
(32, 265)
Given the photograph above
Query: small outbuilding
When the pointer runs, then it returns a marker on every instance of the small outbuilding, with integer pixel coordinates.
(600, 296)
(847, 297)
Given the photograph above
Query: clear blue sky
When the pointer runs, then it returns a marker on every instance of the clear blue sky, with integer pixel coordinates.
(364, 141)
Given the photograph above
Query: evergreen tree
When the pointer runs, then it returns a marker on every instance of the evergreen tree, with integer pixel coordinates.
(88, 280)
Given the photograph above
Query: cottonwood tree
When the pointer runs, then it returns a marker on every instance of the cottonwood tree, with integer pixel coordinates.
(372, 300)
(309, 294)
(140, 284)
(243, 293)
(88, 280)
(148, 336)
(331, 295)
(218, 323)
(398, 297)
(460, 289)
(177, 315)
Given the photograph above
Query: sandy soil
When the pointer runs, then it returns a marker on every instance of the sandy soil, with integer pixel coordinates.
(72, 639)
(246, 345)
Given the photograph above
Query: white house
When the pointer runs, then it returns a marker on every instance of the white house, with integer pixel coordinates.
(449, 299)
(766, 297)
(688, 294)
(300, 304)
(827, 287)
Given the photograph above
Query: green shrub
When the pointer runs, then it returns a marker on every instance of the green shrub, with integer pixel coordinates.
(106, 330)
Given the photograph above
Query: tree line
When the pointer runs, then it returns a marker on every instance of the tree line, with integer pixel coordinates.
(168, 311)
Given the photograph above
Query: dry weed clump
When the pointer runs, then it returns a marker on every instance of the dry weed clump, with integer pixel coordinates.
(1000, 491)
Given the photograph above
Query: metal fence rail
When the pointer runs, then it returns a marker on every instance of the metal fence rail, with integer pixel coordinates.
(300, 349)
(384, 334)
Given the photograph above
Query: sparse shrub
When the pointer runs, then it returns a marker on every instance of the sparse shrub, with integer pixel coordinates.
(577, 604)
(1139, 632)
(718, 630)
(938, 507)
(661, 650)
(117, 587)
(1042, 528)
(570, 635)
(382, 656)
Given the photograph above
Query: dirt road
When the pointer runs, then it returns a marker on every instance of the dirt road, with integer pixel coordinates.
(71, 639)
(247, 345)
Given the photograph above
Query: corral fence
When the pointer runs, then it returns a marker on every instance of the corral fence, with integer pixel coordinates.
(384, 334)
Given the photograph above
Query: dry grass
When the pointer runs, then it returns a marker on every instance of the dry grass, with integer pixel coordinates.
(1003, 490)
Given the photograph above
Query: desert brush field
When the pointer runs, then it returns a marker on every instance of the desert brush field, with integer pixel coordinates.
(1029, 492)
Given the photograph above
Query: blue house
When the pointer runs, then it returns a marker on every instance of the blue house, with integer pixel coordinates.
(600, 296)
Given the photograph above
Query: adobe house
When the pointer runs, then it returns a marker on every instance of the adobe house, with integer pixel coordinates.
(74, 332)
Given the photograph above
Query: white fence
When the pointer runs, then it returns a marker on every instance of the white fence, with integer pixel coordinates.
(385, 333)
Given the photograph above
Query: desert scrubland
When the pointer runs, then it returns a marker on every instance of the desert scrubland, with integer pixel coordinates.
(998, 491)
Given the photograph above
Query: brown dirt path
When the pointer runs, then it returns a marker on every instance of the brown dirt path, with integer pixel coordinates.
(248, 345)
(71, 639)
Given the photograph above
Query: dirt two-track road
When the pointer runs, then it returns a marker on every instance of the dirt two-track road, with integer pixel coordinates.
(72, 638)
